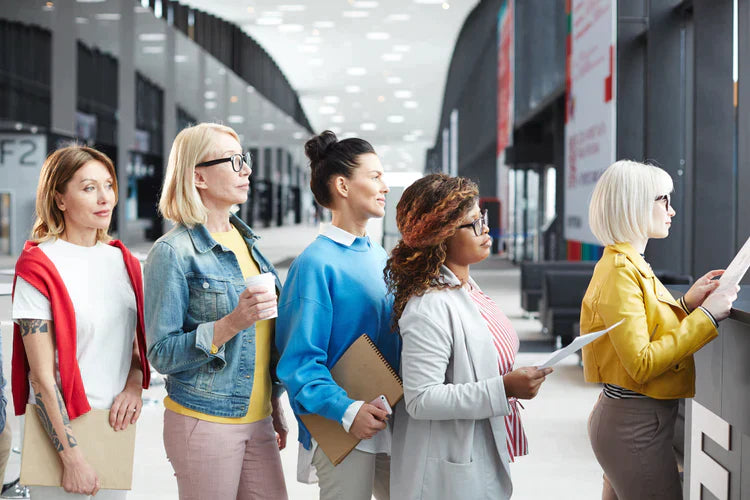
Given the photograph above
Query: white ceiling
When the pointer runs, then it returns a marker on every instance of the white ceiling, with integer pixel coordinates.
(375, 69)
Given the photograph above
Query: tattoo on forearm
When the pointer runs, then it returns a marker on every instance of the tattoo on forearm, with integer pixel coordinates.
(41, 410)
(32, 326)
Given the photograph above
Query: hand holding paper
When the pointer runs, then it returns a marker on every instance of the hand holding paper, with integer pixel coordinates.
(577, 344)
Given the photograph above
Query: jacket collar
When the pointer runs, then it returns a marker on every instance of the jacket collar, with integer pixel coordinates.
(633, 256)
(203, 242)
(448, 278)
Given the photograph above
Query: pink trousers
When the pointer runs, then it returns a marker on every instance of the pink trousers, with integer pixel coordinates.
(224, 461)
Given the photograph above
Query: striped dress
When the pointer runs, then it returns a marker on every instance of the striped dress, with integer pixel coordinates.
(506, 342)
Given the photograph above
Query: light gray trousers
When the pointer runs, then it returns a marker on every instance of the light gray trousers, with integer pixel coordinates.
(358, 477)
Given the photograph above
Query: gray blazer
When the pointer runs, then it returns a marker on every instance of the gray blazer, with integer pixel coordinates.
(449, 431)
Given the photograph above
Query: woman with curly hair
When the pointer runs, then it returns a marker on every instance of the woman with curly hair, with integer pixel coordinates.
(459, 425)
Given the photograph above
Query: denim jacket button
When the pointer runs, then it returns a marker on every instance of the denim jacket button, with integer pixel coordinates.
(205, 284)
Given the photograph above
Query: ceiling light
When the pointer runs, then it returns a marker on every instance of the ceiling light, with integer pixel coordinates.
(152, 37)
(180, 58)
(356, 71)
(381, 98)
(393, 80)
(352, 89)
(417, 132)
(250, 10)
(272, 13)
(446, 6)
(210, 104)
(269, 21)
(355, 14)
(236, 119)
(210, 94)
(107, 16)
(326, 110)
(349, 135)
(324, 24)
(291, 28)
(391, 57)
(365, 4)
(336, 130)
(268, 127)
(368, 126)
(402, 94)
(331, 99)
(49, 6)
(250, 89)
(411, 104)
(401, 48)
(153, 50)
(234, 98)
(291, 8)
(398, 18)
(378, 35)
(82, 20)
(315, 32)
(298, 135)
(222, 71)
(395, 119)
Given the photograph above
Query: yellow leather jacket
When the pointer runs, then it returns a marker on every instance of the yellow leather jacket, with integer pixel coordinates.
(651, 352)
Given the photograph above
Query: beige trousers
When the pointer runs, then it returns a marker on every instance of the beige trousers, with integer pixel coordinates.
(358, 477)
(632, 440)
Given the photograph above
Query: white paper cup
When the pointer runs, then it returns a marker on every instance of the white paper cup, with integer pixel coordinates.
(267, 280)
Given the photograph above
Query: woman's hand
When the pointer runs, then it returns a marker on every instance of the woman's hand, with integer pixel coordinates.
(126, 408)
(369, 421)
(524, 383)
(279, 423)
(255, 303)
(702, 288)
(78, 476)
(719, 304)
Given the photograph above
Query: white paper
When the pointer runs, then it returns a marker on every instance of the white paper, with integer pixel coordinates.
(569, 349)
(736, 269)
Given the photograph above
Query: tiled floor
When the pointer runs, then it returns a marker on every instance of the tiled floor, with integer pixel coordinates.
(560, 465)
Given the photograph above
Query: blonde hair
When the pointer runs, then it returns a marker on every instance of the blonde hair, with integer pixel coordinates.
(57, 171)
(623, 201)
(180, 201)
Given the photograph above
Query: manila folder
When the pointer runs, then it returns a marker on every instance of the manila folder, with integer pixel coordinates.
(364, 374)
(110, 453)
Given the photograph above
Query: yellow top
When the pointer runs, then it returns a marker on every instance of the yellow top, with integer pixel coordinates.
(260, 397)
(651, 352)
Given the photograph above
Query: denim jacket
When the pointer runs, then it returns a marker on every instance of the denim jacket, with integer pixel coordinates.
(190, 282)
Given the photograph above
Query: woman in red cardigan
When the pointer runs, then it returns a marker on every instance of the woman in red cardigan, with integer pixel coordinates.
(78, 313)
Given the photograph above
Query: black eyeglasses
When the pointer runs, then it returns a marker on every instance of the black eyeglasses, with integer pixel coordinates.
(479, 224)
(667, 200)
(237, 161)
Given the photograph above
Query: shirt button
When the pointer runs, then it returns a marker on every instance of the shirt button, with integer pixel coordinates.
(247, 376)
(205, 285)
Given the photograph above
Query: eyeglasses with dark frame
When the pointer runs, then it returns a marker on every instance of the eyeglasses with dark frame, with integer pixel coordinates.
(236, 159)
(479, 224)
(667, 200)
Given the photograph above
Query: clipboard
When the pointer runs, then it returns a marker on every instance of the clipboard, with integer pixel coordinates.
(364, 374)
(110, 453)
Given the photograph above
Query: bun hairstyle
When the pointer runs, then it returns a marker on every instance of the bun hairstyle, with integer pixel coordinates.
(330, 158)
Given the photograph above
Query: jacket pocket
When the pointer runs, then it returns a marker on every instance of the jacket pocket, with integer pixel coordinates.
(208, 298)
(448, 480)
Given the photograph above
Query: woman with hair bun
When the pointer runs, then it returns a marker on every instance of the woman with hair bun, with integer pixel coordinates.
(334, 293)
(458, 426)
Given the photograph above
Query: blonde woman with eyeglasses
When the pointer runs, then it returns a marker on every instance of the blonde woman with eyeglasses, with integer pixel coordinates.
(210, 334)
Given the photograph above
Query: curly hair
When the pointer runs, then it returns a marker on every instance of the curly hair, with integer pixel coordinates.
(427, 215)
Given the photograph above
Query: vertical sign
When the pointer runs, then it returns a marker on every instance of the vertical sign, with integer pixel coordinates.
(590, 107)
(505, 82)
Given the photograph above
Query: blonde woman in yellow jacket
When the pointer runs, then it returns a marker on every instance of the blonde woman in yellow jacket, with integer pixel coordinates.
(646, 363)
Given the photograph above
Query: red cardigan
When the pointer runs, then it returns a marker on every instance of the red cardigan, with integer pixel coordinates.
(36, 268)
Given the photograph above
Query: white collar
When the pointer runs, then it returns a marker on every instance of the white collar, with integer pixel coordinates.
(337, 234)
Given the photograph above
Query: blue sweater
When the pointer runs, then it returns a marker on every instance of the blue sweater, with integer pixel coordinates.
(333, 294)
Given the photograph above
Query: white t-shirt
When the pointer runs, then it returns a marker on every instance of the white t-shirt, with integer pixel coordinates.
(105, 308)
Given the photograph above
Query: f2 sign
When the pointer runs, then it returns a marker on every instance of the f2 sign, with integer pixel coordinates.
(22, 150)
(704, 470)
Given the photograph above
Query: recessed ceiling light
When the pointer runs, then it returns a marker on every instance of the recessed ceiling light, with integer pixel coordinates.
(356, 71)
(331, 99)
(365, 4)
(395, 119)
(82, 20)
(398, 18)
(349, 135)
(411, 104)
(107, 16)
(381, 98)
(222, 71)
(234, 98)
(446, 6)
(250, 10)
(352, 89)
(210, 104)
(250, 89)
(269, 21)
(324, 24)
(326, 110)
(417, 133)
(402, 94)
(378, 35)
(180, 58)
(210, 94)
(337, 119)
(236, 119)
(49, 6)
(268, 127)
(368, 126)
(401, 48)
(272, 13)
(291, 28)
(298, 135)
(291, 8)
(391, 57)
(153, 50)
(152, 37)
(393, 80)
(409, 138)
(355, 14)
